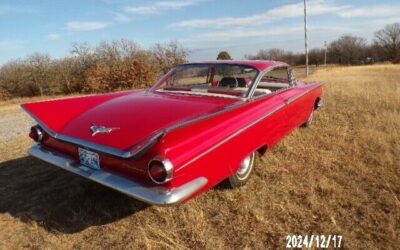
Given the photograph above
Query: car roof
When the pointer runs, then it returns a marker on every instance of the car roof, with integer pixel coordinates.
(261, 65)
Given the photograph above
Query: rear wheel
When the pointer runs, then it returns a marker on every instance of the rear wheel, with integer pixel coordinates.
(309, 120)
(243, 174)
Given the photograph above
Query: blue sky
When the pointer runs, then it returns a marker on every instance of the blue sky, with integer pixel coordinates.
(203, 26)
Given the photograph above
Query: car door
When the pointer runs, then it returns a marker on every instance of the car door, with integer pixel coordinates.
(269, 88)
(298, 104)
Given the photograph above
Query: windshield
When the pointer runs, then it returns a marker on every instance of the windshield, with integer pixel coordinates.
(221, 80)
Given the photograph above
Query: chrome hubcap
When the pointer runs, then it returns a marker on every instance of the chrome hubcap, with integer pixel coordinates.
(245, 167)
(310, 117)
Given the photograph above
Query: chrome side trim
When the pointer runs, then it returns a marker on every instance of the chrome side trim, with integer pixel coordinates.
(294, 98)
(135, 152)
(204, 117)
(154, 195)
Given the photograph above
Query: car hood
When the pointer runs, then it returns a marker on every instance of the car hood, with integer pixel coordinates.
(134, 116)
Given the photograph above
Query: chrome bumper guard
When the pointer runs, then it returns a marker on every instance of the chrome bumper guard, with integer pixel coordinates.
(153, 195)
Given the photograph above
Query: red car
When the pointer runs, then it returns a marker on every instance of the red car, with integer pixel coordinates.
(200, 125)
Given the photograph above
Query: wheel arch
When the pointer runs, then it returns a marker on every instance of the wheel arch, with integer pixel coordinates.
(262, 150)
(318, 103)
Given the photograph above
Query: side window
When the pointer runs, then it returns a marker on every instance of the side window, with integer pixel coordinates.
(272, 81)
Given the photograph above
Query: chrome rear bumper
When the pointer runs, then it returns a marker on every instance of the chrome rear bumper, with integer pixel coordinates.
(154, 195)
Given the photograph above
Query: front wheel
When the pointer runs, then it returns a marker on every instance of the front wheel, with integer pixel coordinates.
(243, 174)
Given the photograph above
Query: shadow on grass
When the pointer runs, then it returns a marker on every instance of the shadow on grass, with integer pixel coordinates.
(34, 191)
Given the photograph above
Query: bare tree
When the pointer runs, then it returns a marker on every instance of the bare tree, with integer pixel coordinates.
(109, 66)
(82, 50)
(270, 54)
(117, 50)
(389, 39)
(348, 50)
(4, 93)
(39, 65)
(277, 55)
(168, 55)
(317, 56)
(65, 70)
(13, 79)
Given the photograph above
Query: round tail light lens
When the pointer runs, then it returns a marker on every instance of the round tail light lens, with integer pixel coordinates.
(36, 134)
(160, 171)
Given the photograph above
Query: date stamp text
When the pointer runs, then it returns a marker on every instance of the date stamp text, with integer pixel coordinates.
(314, 241)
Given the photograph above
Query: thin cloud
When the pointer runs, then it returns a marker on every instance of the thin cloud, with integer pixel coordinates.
(121, 18)
(161, 6)
(236, 34)
(371, 11)
(11, 45)
(239, 34)
(317, 7)
(12, 10)
(53, 37)
(86, 26)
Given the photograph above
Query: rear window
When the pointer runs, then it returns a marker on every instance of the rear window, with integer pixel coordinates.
(223, 80)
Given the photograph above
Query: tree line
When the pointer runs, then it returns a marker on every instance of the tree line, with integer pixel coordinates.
(123, 64)
(109, 66)
(347, 50)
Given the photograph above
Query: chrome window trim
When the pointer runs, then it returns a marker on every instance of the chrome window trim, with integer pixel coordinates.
(197, 94)
(261, 75)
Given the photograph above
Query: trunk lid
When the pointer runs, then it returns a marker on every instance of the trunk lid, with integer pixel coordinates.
(134, 116)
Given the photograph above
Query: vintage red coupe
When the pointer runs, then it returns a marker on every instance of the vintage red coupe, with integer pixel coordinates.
(200, 125)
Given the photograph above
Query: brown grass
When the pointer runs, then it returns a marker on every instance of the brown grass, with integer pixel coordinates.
(341, 176)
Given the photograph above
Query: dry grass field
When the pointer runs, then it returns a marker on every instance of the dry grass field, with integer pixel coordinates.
(341, 176)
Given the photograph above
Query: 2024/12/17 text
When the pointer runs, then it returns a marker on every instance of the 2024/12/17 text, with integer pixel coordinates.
(318, 241)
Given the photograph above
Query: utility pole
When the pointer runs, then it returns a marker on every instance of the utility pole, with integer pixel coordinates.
(326, 47)
(305, 35)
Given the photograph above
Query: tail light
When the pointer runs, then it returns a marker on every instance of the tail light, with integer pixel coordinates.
(160, 170)
(36, 134)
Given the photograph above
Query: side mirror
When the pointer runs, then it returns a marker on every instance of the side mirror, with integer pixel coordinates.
(292, 78)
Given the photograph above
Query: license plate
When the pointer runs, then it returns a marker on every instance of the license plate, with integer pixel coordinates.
(89, 159)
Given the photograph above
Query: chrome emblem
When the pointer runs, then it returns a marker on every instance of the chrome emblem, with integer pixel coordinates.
(101, 129)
